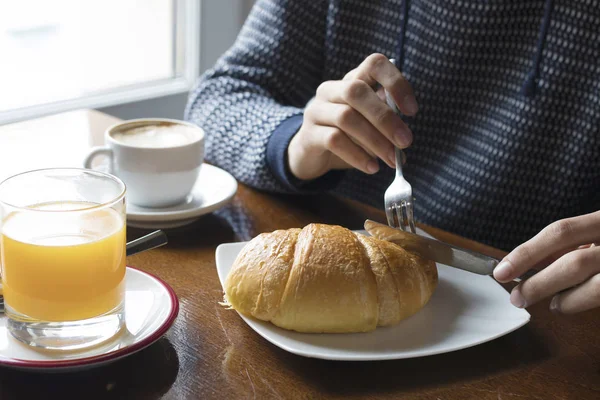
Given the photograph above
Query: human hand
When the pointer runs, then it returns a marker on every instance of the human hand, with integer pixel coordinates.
(349, 124)
(570, 266)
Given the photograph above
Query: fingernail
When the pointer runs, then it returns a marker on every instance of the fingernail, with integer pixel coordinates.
(517, 299)
(392, 157)
(372, 166)
(554, 305)
(503, 271)
(410, 104)
(403, 137)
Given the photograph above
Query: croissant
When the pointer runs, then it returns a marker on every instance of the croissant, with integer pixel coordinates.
(327, 279)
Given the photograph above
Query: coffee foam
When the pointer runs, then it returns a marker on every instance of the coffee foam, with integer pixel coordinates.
(157, 136)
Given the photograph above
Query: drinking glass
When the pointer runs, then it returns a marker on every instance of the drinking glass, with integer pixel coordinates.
(62, 251)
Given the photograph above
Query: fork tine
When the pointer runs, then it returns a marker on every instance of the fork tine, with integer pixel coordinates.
(402, 216)
(409, 216)
(389, 213)
(399, 215)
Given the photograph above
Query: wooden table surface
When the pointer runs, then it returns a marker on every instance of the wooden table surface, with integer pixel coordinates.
(211, 353)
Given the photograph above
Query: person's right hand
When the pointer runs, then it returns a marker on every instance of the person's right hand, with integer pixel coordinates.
(348, 124)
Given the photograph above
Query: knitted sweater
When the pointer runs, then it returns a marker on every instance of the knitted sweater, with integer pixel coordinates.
(506, 138)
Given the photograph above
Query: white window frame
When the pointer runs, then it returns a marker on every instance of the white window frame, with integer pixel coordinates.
(135, 92)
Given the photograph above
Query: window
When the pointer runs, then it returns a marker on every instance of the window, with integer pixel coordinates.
(64, 54)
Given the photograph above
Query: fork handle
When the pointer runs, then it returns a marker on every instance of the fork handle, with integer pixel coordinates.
(392, 104)
(398, 161)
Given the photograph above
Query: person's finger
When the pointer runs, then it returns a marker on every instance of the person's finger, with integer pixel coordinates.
(552, 258)
(338, 163)
(350, 74)
(569, 270)
(381, 94)
(338, 143)
(358, 95)
(555, 238)
(377, 68)
(581, 298)
(356, 126)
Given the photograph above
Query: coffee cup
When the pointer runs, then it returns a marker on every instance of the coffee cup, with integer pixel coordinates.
(158, 159)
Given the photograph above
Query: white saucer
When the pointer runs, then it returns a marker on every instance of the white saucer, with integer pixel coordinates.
(465, 310)
(151, 307)
(214, 188)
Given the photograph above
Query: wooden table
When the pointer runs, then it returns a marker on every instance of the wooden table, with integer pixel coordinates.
(211, 353)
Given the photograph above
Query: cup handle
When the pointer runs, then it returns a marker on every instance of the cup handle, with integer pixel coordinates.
(95, 152)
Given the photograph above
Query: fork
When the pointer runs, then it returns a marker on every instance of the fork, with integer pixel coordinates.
(399, 200)
(398, 196)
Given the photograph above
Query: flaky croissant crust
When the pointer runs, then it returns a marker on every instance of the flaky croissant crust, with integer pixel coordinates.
(327, 279)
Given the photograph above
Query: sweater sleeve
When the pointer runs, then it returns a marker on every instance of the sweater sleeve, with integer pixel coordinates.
(250, 104)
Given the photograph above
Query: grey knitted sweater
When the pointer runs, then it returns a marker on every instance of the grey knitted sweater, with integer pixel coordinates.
(506, 139)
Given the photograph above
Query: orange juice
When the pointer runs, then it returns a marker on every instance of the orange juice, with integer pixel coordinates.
(59, 266)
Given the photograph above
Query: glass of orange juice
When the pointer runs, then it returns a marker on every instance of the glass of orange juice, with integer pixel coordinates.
(62, 252)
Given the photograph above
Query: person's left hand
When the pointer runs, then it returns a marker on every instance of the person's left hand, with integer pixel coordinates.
(569, 265)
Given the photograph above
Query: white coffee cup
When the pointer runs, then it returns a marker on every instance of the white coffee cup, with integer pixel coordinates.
(158, 159)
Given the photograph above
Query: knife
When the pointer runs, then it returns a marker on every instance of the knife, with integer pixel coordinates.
(437, 251)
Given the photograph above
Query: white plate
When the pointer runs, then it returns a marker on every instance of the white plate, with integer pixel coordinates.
(465, 310)
(151, 307)
(213, 189)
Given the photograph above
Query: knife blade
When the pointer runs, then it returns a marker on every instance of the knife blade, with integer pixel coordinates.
(434, 250)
